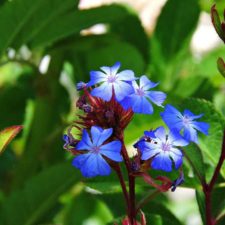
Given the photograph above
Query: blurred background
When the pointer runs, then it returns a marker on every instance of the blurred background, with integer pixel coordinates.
(48, 46)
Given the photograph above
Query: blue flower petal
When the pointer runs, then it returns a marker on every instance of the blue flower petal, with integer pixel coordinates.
(191, 115)
(161, 134)
(177, 157)
(66, 138)
(126, 75)
(97, 77)
(111, 70)
(126, 103)
(172, 117)
(104, 91)
(95, 165)
(201, 126)
(99, 135)
(157, 97)
(148, 150)
(162, 161)
(146, 84)
(142, 105)
(80, 160)
(150, 134)
(190, 134)
(115, 68)
(122, 89)
(176, 139)
(112, 151)
(85, 143)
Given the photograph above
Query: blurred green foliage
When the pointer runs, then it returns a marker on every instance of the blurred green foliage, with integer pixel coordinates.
(38, 183)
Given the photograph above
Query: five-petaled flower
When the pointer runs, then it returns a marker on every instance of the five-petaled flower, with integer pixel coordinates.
(140, 99)
(184, 123)
(162, 149)
(96, 152)
(111, 82)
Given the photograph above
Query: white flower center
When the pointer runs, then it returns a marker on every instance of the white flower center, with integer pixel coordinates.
(111, 78)
(166, 146)
(140, 92)
(96, 149)
(186, 120)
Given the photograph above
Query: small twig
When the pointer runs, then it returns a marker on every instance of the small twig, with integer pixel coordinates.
(146, 199)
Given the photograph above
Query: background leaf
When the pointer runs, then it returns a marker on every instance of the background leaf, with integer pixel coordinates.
(7, 135)
(38, 196)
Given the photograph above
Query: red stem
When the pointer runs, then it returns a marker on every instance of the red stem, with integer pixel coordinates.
(131, 178)
(219, 165)
(207, 188)
(132, 198)
(123, 185)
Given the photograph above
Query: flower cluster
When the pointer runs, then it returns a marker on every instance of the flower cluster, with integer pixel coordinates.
(108, 103)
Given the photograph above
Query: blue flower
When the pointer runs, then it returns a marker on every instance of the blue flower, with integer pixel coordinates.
(163, 149)
(184, 122)
(92, 162)
(111, 81)
(139, 101)
(80, 85)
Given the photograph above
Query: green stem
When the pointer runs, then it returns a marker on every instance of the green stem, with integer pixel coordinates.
(146, 199)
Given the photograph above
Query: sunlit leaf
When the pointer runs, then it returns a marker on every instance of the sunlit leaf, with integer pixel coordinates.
(20, 19)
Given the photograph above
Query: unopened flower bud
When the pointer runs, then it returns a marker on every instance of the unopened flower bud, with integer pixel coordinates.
(80, 85)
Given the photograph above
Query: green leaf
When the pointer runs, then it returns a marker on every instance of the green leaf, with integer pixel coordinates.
(175, 24)
(210, 145)
(106, 184)
(45, 13)
(20, 19)
(14, 96)
(108, 55)
(91, 52)
(74, 22)
(46, 125)
(159, 209)
(86, 207)
(38, 196)
(153, 219)
(7, 135)
(194, 156)
(139, 38)
(170, 41)
(218, 201)
(201, 204)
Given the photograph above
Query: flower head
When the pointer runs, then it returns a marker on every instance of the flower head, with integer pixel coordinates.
(140, 99)
(111, 82)
(186, 122)
(93, 162)
(163, 149)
